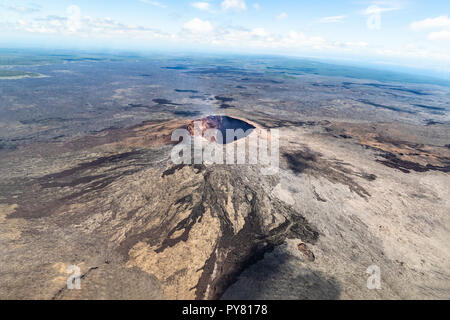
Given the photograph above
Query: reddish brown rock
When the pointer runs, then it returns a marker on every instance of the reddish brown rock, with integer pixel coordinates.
(308, 254)
(209, 122)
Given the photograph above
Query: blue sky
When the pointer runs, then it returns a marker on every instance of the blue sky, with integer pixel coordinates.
(412, 33)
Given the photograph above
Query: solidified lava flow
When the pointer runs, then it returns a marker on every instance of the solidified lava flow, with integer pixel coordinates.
(221, 123)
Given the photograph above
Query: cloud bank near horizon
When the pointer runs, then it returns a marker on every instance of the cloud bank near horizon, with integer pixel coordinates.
(234, 25)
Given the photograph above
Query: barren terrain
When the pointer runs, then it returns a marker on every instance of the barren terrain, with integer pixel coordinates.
(86, 179)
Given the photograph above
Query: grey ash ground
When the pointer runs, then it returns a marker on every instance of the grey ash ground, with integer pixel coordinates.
(86, 179)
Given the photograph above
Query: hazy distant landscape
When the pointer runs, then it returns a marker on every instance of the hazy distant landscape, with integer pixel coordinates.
(95, 92)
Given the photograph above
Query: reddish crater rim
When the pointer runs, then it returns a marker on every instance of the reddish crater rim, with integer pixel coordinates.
(221, 123)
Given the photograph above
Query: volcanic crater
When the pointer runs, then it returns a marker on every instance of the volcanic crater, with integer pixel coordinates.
(220, 123)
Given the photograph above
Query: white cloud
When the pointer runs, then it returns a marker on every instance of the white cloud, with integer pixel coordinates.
(430, 23)
(201, 5)
(296, 39)
(259, 32)
(375, 9)
(198, 26)
(154, 3)
(439, 35)
(74, 23)
(256, 6)
(235, 5)
(361, 44)
(31, 8)
(282, 16)
(193, 31)
(196, 31)
(332, 19)
(74, 20)
(259, 38)
(441, 22)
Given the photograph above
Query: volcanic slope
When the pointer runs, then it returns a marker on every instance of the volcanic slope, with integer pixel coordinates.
(140, 227)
